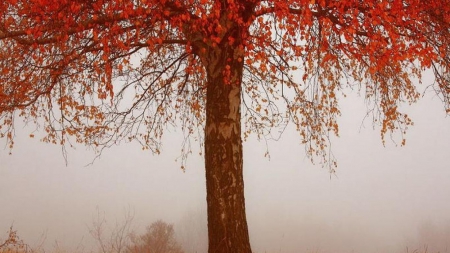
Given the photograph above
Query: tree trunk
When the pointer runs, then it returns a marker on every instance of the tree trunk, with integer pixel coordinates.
(227, 223)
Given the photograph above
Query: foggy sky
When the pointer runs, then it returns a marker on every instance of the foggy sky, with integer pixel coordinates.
(381, 199)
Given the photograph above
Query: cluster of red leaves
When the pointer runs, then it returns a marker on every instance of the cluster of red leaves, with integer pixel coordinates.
(381, 47)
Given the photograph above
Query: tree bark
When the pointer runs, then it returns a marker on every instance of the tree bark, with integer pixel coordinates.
(227, 223)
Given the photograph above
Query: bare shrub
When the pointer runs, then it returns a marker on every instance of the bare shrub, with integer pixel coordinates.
(116, 238)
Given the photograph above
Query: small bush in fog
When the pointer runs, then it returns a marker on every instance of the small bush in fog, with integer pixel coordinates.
(13, 244)
(158, 238)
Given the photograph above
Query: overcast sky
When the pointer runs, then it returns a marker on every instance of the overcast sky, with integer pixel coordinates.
(381, 198)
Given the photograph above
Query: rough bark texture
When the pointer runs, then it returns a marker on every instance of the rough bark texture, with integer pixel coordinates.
(227, 224)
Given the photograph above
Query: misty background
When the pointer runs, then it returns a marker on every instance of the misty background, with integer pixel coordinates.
(381, 199)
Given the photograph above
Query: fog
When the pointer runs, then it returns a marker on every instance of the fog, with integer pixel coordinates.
(381, 199)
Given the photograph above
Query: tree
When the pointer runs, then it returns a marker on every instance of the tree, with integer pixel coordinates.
(108, 71)
(158, 238)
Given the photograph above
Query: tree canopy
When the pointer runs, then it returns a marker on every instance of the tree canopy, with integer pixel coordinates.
(110, 70)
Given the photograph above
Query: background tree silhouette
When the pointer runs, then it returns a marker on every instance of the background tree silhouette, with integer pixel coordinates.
(158, 238)
(109, 71)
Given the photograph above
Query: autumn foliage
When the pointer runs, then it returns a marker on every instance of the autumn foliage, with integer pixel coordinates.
(88, 69)
(101, 72)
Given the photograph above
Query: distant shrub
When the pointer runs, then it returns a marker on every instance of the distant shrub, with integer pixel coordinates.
(159, 238)
(13, 244)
